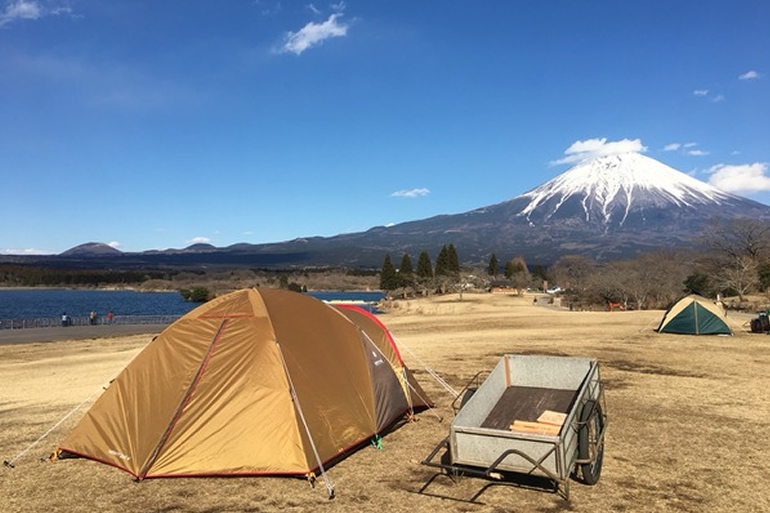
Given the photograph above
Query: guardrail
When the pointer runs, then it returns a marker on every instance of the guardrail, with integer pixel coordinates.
(56, 322)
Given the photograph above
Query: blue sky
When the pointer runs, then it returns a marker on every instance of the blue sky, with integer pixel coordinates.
(157, 124)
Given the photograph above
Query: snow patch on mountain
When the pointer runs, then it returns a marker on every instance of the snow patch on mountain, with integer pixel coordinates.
(612, 186)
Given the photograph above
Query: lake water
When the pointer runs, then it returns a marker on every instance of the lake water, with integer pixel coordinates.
(43, 303)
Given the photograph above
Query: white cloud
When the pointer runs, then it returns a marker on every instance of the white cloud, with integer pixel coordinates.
(705, 93)
(687, 149)
(592, 148)
(746, 178)
(749, 75)
(411, 193)
(199, 240)
(29, 10)
(314, 34)
(28, 251)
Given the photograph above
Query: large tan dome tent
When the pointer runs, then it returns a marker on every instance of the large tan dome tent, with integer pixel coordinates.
(258, 381)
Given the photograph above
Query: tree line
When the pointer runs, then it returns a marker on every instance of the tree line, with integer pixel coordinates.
(425, 277)
(14, 275)
(732, 259)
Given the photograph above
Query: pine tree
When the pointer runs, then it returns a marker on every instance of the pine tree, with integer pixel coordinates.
(424, 272)
(388, 277)
(405, 271)
(442, 262)
(513, 267)
(453, 262)
(424, 267)
(494, 266)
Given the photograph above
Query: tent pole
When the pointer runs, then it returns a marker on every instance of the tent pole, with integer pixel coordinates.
(407, 394)
(185, 399)
(295, 399)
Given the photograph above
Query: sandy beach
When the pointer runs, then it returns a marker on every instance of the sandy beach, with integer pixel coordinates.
(688, 420)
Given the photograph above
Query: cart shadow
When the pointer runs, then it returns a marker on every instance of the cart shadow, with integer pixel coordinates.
(509, 480)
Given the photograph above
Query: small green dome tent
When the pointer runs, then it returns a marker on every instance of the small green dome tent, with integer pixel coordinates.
(695, 315)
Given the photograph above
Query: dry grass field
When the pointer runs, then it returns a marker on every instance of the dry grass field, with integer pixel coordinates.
(688, 421)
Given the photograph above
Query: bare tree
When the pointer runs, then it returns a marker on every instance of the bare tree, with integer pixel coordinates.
(572, 272)
(742, 276)
(739, 250)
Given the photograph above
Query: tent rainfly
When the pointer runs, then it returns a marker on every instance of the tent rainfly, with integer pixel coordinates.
(255, 382)
(695, 315)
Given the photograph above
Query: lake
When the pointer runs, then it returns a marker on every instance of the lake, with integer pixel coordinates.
(44, 303)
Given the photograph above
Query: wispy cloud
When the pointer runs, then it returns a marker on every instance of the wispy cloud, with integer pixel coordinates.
(411, 193)
(686, 149)
(268, 8)
(30, 10)
(28, 251)
(592, 148)
(705, 93)
(746, 178)
(749, 75)
(313, 34)
(199, 240)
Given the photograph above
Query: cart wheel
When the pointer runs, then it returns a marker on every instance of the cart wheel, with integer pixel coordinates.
(592, 423)
(467, 397)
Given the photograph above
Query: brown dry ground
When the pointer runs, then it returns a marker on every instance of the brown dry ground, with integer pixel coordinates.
(688, 420)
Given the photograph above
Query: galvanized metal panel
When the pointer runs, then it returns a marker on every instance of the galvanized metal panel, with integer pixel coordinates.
(475, 446)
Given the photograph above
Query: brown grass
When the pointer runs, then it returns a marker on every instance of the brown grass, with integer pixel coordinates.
(688, 429)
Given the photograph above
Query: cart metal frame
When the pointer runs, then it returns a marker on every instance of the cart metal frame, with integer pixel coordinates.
(471, 449)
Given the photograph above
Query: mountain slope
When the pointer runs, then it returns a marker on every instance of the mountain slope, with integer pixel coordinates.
(608, 208)
(608, 190)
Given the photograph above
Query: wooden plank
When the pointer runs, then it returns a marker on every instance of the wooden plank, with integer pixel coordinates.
(553, 418)
(535, 427)
(527, 404)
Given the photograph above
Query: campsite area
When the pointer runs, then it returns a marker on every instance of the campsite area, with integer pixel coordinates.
(688, 420)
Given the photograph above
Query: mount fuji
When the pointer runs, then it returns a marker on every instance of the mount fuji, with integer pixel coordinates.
(609, 208)
(620, 190)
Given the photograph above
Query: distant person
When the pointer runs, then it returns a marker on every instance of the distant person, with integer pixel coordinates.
(65, 320)
(92, 318)
(109, 316)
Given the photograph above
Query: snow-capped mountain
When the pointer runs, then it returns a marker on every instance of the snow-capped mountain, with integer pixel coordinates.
(609, 208)
(612, 190)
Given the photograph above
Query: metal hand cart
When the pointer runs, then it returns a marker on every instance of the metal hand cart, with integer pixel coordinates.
(496, 429)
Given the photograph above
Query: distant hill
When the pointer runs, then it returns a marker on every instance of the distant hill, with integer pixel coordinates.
(607, 208)
(91, 249)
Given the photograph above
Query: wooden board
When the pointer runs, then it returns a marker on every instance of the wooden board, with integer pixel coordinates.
(527, 404)
(535, 427)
